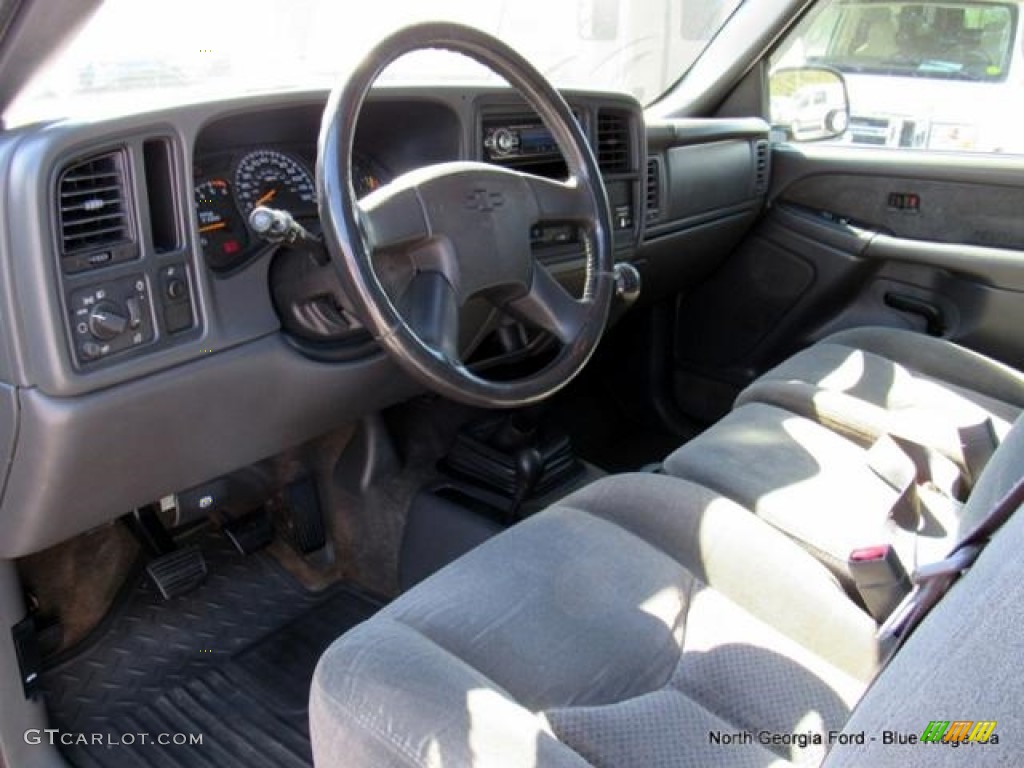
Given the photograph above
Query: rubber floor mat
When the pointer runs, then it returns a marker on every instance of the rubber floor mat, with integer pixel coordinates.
(231, 662)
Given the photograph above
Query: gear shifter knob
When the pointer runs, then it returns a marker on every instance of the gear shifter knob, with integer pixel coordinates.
(529, 468)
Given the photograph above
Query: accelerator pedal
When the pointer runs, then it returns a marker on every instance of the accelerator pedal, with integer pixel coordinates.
(304, 518)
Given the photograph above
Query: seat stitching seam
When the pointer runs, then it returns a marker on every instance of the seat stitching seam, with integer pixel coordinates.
(374, 729)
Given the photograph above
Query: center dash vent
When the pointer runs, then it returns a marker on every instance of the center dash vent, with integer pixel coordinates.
(653, 195)
(94, 212)
(613, 155)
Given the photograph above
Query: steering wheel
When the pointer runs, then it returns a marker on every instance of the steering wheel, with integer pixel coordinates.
(462, 230)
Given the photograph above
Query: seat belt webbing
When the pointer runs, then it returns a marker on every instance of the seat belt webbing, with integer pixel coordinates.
(932, 581)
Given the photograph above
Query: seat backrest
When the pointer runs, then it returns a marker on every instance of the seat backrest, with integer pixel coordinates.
(1001, 473)
(961, 664)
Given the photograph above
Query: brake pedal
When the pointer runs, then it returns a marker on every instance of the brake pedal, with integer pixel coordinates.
(250, 533)
(179, 572)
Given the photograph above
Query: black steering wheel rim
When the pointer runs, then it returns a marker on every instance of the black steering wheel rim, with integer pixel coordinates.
(351, 230)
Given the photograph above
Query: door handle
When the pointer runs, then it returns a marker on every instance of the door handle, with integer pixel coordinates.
(935, 324)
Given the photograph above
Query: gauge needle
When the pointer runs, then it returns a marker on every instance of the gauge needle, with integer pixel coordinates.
(265, 199)
(213, 227)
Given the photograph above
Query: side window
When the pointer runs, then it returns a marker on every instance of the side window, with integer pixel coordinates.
(943, 76)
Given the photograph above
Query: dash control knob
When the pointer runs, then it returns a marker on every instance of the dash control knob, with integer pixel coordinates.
(176, 289)
(504, 141)
(627, 282)
(107, 321)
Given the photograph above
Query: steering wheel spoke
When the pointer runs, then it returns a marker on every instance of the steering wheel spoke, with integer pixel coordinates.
(560, 200)
(431, 309)
(392, 217)
(549, 306)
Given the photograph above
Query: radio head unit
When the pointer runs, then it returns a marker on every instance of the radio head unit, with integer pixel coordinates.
(507, 141)
(519, 141)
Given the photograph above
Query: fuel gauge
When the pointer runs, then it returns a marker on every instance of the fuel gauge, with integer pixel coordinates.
(221, 232)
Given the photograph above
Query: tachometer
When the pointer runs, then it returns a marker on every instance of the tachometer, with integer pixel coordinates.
(272, 178)
(220, 231)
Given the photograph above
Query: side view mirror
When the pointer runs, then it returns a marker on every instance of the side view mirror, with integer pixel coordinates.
(809, 103)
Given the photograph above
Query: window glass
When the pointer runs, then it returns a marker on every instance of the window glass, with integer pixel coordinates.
(137, 54)
(920, 75)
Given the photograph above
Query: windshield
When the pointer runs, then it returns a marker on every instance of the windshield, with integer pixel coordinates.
(135, 54)
(958, 40)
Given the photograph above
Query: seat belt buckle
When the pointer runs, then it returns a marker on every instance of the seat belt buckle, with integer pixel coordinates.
(880, 578)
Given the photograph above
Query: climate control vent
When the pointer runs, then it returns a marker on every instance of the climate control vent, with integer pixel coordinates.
(94, 212)
(613, 150)
(653, 191)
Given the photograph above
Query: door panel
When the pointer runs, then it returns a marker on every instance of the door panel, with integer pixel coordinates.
(860, 237)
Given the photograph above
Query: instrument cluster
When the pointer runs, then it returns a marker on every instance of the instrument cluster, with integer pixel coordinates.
(229, 185)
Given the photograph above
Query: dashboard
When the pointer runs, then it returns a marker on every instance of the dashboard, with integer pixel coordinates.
(151, 341)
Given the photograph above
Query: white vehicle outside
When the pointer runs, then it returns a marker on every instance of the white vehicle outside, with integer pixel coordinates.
(928, 75)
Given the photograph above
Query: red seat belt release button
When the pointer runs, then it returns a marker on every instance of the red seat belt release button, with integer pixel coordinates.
(880, 578)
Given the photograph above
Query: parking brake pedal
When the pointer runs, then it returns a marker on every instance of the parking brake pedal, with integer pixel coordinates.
(178, 572)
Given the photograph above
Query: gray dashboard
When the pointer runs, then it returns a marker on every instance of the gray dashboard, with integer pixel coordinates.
(197, 377)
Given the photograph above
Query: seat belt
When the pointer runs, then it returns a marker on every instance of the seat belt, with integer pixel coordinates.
(896, 467)
(931, 582)
(977, 444)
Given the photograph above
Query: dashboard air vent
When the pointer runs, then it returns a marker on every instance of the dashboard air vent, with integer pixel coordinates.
(613, 154)
(95, 217)
(653, 195)
(761, 167)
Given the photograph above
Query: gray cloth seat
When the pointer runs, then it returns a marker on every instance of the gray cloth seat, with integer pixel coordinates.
(866, 382)
(631, 623)
(618, 627)
(813, 484)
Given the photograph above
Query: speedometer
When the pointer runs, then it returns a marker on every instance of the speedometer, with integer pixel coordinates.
(275, 179)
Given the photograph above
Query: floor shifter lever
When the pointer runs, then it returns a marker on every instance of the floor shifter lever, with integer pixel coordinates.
(529, 468)
(513, 456)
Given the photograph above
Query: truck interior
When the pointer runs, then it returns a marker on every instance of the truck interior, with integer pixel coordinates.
(497, 395)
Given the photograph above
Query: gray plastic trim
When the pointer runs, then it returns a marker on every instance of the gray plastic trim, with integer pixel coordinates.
(843, 237)
(999, 267)
(17, 714)
(662, 134)
(82, 461)
(791, 163)
(8, 431)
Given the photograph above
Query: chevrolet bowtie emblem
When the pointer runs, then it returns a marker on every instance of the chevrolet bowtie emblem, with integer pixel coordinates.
(484, 201)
